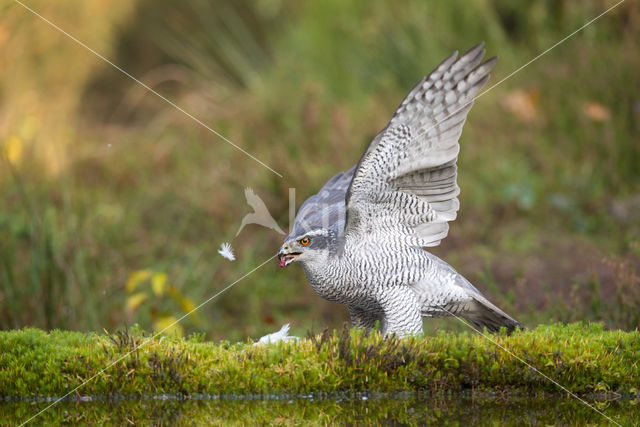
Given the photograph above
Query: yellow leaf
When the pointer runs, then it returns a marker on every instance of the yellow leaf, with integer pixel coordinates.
(159, 283)
(13, 149)
(168, 324)
(185, 303)
(134, 301)
(136, 278)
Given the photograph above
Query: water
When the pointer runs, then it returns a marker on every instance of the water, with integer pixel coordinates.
(352, 409)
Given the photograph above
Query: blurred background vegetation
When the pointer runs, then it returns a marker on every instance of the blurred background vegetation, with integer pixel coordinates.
(113, 203)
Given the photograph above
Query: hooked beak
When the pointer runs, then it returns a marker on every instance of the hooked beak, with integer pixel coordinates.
(285, 257)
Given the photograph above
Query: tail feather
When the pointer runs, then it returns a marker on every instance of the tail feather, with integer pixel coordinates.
(483, 314)
(469, 304)
(479, 311)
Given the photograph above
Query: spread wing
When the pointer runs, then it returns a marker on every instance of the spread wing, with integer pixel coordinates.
(326, 209)
(406, 179)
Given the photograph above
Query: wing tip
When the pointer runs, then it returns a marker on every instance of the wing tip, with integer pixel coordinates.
(442, 66)
(474, 51)
(489, 63)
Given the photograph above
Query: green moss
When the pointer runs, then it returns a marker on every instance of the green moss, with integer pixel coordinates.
(583, 358)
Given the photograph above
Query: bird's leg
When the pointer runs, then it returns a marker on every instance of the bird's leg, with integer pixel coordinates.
(362, 318)
(401, 310)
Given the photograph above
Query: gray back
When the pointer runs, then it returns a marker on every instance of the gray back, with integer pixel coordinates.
(326, 209)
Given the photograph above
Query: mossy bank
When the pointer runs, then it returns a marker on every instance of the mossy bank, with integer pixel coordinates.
(584, 358)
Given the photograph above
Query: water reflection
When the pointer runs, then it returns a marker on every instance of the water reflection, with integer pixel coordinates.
(353, 409)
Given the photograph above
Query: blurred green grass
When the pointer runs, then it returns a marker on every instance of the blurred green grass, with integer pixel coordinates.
(99, 179)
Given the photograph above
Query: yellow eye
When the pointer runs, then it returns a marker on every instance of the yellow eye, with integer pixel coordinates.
(305, 241)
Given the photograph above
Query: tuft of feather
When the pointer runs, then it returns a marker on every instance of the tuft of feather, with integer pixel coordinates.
(281, 335)
(226, 251)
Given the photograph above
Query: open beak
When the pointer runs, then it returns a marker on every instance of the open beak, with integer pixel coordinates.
(286, 258)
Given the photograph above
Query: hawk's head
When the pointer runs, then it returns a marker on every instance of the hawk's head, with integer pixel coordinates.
(306, 246)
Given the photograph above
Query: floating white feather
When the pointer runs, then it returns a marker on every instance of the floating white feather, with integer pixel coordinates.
(226, 251)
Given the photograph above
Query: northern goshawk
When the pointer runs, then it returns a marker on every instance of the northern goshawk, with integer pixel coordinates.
(361, 239)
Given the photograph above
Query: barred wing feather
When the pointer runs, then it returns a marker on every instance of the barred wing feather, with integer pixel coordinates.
(407, 177)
